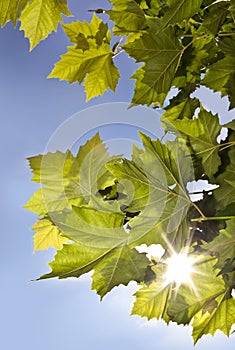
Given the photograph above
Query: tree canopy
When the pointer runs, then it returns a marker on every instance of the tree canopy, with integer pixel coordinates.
(96, 209)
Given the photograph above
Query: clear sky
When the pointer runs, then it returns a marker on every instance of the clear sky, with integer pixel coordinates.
(59, 314)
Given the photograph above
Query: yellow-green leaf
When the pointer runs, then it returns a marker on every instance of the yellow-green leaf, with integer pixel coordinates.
(222, 317)
(47, 235)
(36, 203)
(121, 266)
(152, 301)
(40, 17)
(94, 67)
(10, 10)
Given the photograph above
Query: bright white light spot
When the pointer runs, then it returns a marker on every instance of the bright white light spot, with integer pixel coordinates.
(196, 188)
(153, 251)
(233, 293)
(179, 269)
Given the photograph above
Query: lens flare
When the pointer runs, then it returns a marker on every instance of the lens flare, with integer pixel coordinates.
(179, 269)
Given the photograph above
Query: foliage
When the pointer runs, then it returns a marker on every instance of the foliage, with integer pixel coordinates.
(96, 209)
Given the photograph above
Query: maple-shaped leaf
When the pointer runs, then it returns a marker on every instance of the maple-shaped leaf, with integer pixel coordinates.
(152, 301)
(156, 186)
(221, 317)
(36, 203)
(51, 168)
(70, 180)
(89, 166)
(90, 61)
(201, 133)
(150, 7)
(112, 267)
(120, 266)
(161, 53)
(214, 17)
(220, 77)
(127, 16)
(224, 244)
(181, 111)
(10, 10)
(74, 260)
(180, 10)
(47, 235)
(55, 172)
(193, 297)
(87, 35)
(227, 45)
(91, 226)
(40, 17)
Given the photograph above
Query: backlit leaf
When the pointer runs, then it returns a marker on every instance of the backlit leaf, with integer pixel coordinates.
(180, 10)
(221, 76)
(152, 301)
(202, 133)
(121, 266)
(161, 56)
(221, 318)
(89, 62)
(127, 16)
(40, 17)
(10, 10)
(47, 235)
(190, 299)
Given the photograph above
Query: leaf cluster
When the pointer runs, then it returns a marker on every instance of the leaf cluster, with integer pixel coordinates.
(96, 210)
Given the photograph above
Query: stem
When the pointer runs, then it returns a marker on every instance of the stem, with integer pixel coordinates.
(229, 144)
(205, 36)
(220, 145)
(210, 218)
(203, 217)
(118, 53)
(203, 191)
(226, 34)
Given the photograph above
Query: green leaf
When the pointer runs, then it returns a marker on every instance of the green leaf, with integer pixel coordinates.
(172, 117)
(10, 10)
(214, 17)
(190, 299)
(224, 244)
(88, 35)
(150, 7)
(40, 17)
(55, 171)
(148, 187)
(221, 318)
(89, 62)
(121, 266)
(227, 45)
(94, 65)
(47, 235)
(51, 168)
(70, 180)
(127, 16)
(152, 301)
(36, 203)
(112, 267)
(220, 77)
(180, 10)
(225, 194)
(74, 260)
(161, 55)
(202, 133)
(90, 161)
(94, 227)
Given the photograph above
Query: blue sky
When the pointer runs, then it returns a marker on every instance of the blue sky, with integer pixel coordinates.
(56, 314)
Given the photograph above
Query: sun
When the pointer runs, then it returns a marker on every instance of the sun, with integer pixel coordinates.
(179, 269)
